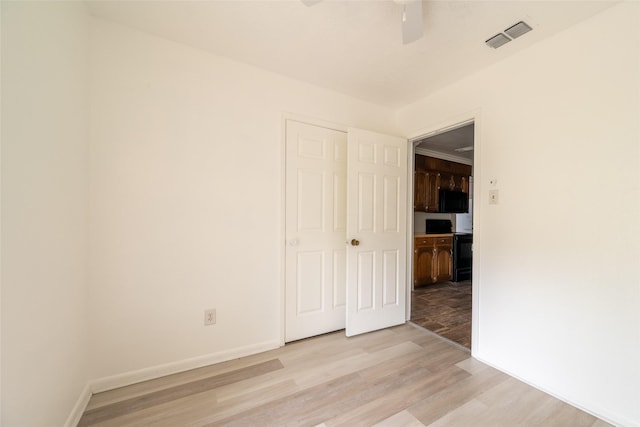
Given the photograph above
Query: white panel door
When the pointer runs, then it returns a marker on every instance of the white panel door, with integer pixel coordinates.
(315, 263)
(376, 231)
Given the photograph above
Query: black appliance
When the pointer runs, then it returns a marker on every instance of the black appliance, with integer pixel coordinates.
(437, 226)
(462, 257)
(451, 201)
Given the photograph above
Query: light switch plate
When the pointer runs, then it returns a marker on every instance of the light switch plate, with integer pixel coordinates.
(493, 197)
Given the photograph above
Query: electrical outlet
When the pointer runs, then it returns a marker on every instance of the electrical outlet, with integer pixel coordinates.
(210, 317)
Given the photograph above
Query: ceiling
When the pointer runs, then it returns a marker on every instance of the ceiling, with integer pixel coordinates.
(351, 46)
(456, 142)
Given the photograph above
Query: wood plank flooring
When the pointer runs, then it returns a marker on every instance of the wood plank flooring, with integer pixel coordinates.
(444, 308)
(401, 376)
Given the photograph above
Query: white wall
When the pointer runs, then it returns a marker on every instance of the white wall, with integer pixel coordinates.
(557, 259)
(44, 208)
(186, 200)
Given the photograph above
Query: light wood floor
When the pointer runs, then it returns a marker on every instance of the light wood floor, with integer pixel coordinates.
(402, 376)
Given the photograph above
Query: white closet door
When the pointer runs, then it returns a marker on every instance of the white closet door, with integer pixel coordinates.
(315, 263)
(376, 231)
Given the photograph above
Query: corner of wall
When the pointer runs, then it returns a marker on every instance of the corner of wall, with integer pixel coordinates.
(78, 409)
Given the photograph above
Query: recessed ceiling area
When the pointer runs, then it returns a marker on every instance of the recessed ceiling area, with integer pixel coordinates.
(457, 142)
(353, 47)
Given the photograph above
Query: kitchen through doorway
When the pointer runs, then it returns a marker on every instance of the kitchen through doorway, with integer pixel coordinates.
(442, 291)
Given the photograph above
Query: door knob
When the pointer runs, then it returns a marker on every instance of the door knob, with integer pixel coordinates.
(355, 242)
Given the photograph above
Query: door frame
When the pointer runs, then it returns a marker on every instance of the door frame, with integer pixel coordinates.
(427, 130)
(474, 117)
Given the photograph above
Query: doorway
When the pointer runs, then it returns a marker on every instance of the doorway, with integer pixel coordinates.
(445, 306)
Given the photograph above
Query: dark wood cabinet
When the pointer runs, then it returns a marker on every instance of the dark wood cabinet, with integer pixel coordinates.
(443, 259)
(433, 174)
(423, 265)
(433, 262)
(425, 189)
(456, 182)
(420, 191)
(432, 186)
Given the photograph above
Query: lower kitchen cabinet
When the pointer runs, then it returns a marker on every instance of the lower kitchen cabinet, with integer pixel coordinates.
(423, 265)
(433, 260)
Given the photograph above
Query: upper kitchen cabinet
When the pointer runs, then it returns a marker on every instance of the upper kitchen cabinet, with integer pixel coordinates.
(432, 175)
(425, 190)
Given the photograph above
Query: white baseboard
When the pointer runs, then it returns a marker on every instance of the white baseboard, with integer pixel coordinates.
(599, 412)
(145, 374)
(79, 407)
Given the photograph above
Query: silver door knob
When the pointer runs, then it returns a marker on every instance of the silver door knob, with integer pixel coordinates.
(293, 242)
(355, 242)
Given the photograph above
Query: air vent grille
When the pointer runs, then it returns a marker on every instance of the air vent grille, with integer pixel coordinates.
(509, 34)
(498, 40)
(517, 30)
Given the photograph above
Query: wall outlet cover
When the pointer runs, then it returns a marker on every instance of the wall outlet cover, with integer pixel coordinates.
(210, 317)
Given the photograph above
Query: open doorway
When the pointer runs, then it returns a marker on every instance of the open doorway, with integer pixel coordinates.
(441, 298)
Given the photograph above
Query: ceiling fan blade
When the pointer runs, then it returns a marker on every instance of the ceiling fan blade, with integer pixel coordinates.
(412, 25)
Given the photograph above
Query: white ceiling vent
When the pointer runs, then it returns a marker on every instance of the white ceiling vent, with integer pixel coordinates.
(509, 34)
(517, 30)
(498, 40)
